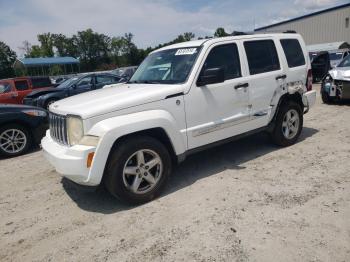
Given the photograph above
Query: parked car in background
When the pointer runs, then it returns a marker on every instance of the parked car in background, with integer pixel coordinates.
(336, 56)
(336, 84)
(70, 87)
(320, 65)
(125, 72)
(183, 98)
(13, 90)
(21, 127)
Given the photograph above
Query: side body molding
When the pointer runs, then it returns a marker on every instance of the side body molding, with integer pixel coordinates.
(111, 129)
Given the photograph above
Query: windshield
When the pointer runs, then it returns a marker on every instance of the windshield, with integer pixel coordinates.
(345, 62)
(170, 66)
(67, 83)
(335, 56)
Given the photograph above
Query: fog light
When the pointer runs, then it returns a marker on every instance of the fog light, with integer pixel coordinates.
(89, 159)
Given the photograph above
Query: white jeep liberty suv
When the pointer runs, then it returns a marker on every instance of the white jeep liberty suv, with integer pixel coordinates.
(182, 98)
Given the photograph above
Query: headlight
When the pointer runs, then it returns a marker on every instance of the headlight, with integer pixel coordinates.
(75, 129)
(89, 140)
(34, 112)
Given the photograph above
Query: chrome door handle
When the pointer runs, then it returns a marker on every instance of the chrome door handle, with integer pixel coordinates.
(244, 85)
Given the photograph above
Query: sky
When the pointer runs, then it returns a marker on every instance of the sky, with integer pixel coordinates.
(151, 21)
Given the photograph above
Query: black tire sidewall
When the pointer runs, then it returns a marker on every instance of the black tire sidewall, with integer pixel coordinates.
(27, 134)
(114, 172)
(51, 100)
(325, 98)
(277, 134)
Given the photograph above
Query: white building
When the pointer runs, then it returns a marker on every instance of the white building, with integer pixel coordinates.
(326, 26)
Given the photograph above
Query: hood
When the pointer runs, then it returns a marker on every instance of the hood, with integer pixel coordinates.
(42, 92)
(340, 73)
(113, 98)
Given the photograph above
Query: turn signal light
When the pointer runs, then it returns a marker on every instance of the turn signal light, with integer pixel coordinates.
(89, 159)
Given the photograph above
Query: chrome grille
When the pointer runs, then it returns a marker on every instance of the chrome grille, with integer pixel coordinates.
(58, 128)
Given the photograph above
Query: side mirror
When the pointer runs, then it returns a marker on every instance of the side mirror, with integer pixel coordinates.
(74, 86)
(211, 76)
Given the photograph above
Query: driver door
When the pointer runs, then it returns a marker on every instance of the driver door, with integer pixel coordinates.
(83, 85)
(216, 111)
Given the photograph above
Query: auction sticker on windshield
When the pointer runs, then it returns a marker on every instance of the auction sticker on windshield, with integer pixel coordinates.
(186, 51)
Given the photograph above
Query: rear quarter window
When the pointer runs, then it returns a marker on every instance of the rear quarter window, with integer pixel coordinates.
(262, 56)
(294, 53)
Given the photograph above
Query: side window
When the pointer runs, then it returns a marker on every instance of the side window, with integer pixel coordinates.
(105, 79)
(21, 85)
(41, 82)
(5, 88)
(225, 56)
(85, 81)
(262, 56)
(293, 52)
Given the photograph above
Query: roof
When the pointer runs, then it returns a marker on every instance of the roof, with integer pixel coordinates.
(45, 61)
(304, 16)
(197, 43)
(327, 46)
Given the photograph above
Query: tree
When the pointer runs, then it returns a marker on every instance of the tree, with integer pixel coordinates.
(220, 32)
(46, 44)
(7, 58)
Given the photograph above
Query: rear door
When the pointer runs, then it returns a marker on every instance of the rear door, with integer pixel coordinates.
(265, 77)
(102, 80)
(23, 88)
(7, 93)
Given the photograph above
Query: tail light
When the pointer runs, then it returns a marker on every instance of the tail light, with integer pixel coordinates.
(309, 80)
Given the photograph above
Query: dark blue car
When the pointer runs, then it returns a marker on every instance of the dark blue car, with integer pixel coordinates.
(70, 87)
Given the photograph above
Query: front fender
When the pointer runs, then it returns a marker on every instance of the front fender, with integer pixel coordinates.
(111, 129)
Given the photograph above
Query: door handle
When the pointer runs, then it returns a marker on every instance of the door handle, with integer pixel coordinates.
(281, 77)
(238, 86)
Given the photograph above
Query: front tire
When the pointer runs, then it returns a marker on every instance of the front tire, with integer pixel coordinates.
(288, 125)
(15, 140)
(326, 99)
(138, 169)
(48, 103)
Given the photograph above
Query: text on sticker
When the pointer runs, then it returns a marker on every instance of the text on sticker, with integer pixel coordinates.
(186, 51)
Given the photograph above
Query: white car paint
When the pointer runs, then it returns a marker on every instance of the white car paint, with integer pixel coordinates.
(195, 117)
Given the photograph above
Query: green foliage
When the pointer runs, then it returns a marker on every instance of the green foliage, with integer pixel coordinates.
(220, 32)
(98, 51)
(7, 58)
(55, 70)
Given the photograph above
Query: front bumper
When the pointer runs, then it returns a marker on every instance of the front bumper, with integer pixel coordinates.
(71, 162)
(309, 100)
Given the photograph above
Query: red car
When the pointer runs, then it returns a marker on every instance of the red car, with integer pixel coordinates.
(13, 90)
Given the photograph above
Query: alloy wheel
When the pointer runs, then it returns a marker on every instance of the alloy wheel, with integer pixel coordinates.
(290, 124)
(142, 171)
(13, 141)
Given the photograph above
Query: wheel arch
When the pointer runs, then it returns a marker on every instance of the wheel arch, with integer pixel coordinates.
(296, 97)
(158, 124)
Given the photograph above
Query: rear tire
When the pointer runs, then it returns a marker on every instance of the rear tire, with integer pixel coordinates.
(288, 125)
(15, 140)
(138, 169)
